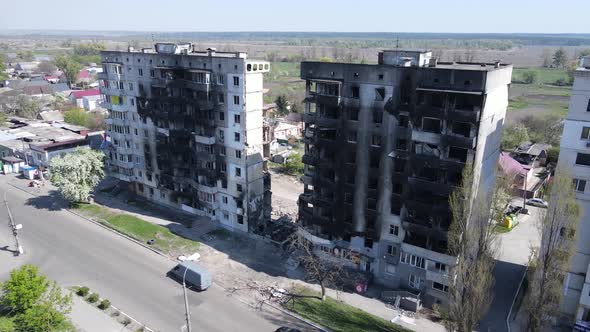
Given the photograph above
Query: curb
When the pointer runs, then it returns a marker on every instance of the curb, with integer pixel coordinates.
(102, 225)
(167, 257)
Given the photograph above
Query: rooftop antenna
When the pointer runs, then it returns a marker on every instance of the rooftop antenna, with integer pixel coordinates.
(397, 42)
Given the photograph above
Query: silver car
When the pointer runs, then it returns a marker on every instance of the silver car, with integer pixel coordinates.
(537, 202)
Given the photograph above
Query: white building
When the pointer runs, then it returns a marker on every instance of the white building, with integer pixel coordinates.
(186, 130)
(575, 156)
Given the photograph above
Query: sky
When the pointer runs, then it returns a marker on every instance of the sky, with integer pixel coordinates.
(469, 16)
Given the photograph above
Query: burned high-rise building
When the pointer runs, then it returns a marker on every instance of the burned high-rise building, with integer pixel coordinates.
(186, 130)
(385, 145)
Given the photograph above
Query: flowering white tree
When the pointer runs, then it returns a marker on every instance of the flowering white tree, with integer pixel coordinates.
(77, 173)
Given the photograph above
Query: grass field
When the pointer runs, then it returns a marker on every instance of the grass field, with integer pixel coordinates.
(545, 75)
(139, 229)
(338, 316)
(283, 79)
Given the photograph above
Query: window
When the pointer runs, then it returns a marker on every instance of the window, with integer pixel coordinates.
(241, 220)
(239, 187)
(431, 125)
(224, 199)
(376, 140)
(354, 92)
(380, 77)
(140, 71)
(135, 131)
(461, 154)
(440, 287)
(380, 94)
(354, 115)
(238, 171)
(236, 81)
(236, 118)
(440, 267)
(413, 260)
(152, 73)
(583, 159)
(585, 133)
(221, 135)
(402, 121)
(390, 268)
(588, 107)
(391, 250)
(130, 86)
(221, 116)
(236, 100)
(352, 136)
(579, 185)
(222, 151)
(238, 154)
(221, 98)
(415, 281)
(394, 230)
(237, 137)
(225, 215)
(402, 144)
(223, 168)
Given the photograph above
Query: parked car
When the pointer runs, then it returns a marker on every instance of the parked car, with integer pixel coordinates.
(196, 276)
(516, 210)
(537, 202)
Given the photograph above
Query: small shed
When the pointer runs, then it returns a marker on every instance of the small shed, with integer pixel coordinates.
(29, 171)
(11, 164)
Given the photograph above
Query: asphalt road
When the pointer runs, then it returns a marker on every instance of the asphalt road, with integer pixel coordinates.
(74, 251)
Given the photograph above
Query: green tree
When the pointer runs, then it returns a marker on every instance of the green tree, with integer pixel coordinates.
(560, 58)
(282, 105)
(46, 67)
(95, 121)
(530, 76)
(77, 173)
(48, 314)
(513, 136)
(293, 165)
(70, 67)
(26, 107)
(76, 116)
(550, 262)
(3, 74)
(93, 48)
(23, 289)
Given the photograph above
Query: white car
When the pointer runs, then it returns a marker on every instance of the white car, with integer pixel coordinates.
(537, 202)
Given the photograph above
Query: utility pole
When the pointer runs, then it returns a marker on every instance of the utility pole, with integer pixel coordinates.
(188, 315)
(15, 228)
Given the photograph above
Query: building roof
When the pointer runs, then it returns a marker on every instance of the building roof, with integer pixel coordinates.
(51, 116)
(511, 166)
(83, 74)
(83, 93)
(533, 149)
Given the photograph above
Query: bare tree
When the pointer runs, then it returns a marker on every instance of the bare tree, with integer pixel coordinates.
(321, 270)
(549, 263)
(473, 240)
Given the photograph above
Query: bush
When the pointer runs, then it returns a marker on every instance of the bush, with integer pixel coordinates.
(104, 304)
(530, 76)
(6, 324)
(93, 298)
(83, 291)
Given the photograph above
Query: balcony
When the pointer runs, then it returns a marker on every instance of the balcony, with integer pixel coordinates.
(102, 76)
(458, 140)
(309, 159)
(207, 140)
(464, 115)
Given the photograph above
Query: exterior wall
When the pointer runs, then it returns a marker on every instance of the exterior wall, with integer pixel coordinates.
(215, 161)
(575, 303)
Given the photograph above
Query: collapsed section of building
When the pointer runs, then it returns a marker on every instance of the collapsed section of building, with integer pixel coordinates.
(186, 130)
(385, 145)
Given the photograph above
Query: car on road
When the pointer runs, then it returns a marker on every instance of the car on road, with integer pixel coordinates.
(537, 202)
(194, 275)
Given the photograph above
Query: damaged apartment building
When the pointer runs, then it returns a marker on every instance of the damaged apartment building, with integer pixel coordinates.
(186, 130)
(385, 145)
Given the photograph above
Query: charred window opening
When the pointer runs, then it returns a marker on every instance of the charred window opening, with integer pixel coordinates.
(437, 100)
(401, 145)
(465, 103)
(454, 178)
(351, 158)
(373, 183)
(397, 188)
(328, 89)
(380, 94)
(374, 161)
(354, 92)
(403, 121)
(348, 197)
(328, 112)
(329, 134)
(368, 243)
(431, 125)
(376, 140)
(457, 153)
(399, 165)
(428, 173)
(372, 204)
(377, 116)
(350, 177)
(351, 136)
(396, 206)
(461, 128)
(353, 114)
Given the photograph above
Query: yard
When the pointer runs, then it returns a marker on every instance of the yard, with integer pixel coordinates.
(338, 316)
(139, 229)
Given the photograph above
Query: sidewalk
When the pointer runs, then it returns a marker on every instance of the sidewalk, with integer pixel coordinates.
(90, 319)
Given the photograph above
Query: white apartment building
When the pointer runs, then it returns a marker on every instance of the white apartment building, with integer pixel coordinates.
(575, 156)
(186, 130)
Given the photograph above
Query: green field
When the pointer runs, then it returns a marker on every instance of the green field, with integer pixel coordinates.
(338, 316)
(544, 75)
(283, 79)
(139, 229)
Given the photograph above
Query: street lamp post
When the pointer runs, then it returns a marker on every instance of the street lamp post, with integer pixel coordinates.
(188, 315)
(15, 228)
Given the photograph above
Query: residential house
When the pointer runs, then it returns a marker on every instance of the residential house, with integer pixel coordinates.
(528, 181)
(77, 96)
